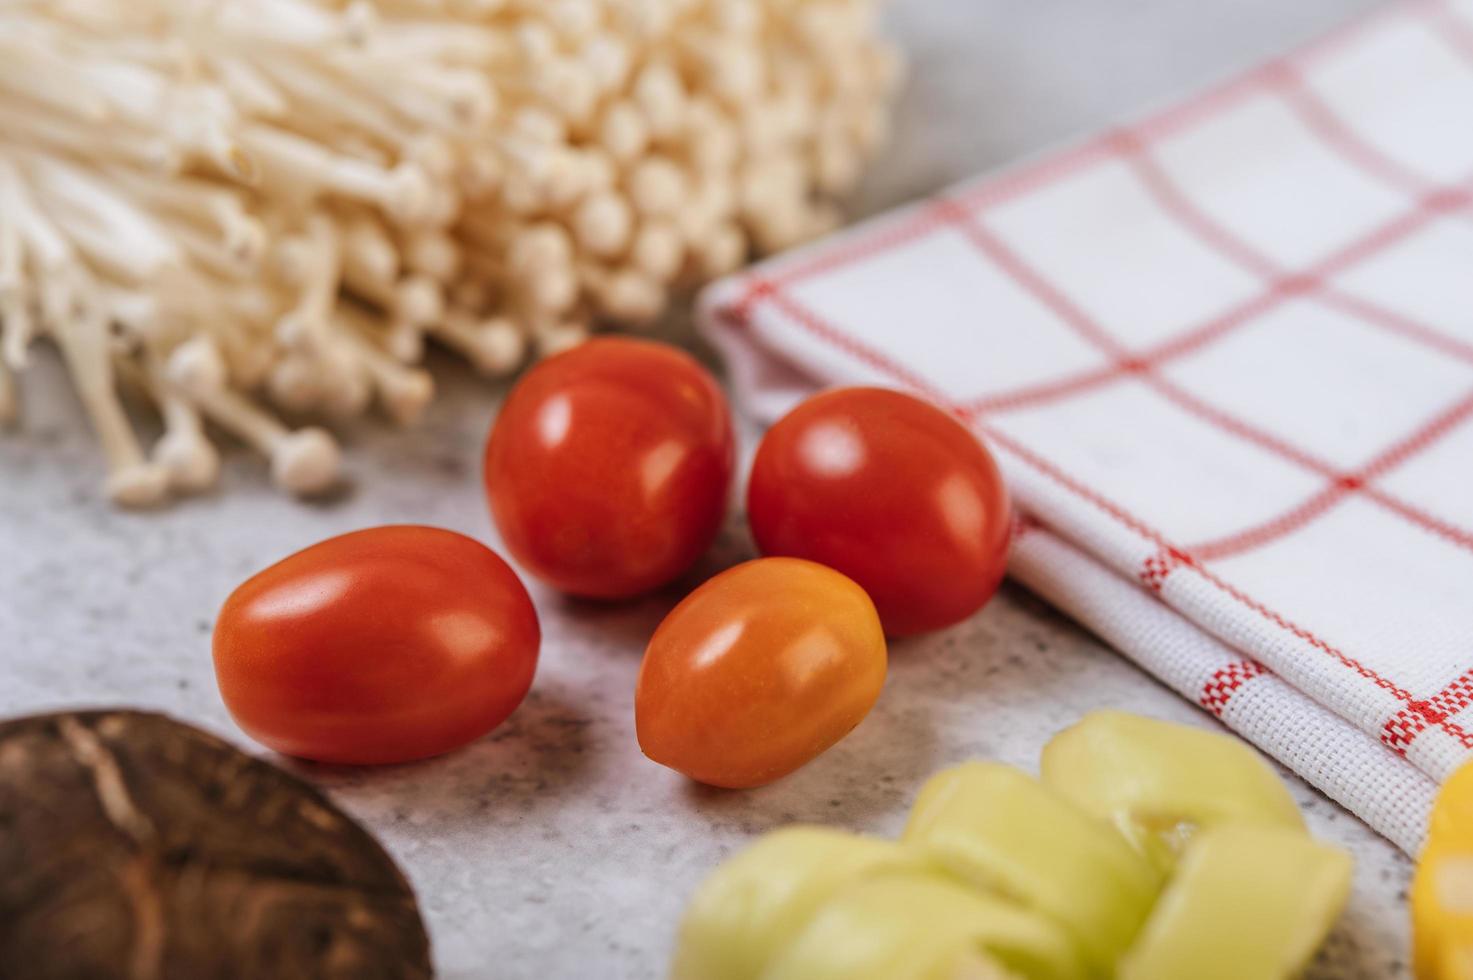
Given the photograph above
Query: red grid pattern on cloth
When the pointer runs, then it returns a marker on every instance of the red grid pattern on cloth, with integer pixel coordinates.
(1157, 567)
(1221, 686)
(1402, 727)
(1427, 201)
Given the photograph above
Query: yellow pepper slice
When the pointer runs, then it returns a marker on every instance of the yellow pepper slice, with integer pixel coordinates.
(923, 927)
(1246, 903)
(1158, 781)
(1442, 891)
(749, 907)
(1003, 831)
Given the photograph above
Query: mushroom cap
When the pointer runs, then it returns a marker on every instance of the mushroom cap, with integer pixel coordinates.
(497, 347)
(196, 366)
(405, 394)
(137, 485)
(306, 462)
(191, 460)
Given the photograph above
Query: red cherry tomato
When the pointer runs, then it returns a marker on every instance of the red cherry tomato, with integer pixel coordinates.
(609, 467)
(758, 671)
(892, 492)
(384, 645)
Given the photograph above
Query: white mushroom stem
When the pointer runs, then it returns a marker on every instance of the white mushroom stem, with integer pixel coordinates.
(313, 262)
(9, 399)
(109, 228)
(412, 304)
(30, 68)
(403, 392)
(210, 252)
(303, 461)
(49, 249)
(297, 166)
(415, 299)
(239, 234)
(132, 480)
(18, 324)
(23, 124)
(405, 341)
(369, 255)
(331, 99)
(494, 346)
(249, 89)
(351, 388)
(190, 459)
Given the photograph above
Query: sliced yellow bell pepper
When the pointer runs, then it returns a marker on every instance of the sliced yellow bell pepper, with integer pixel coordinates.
(1158, 781)
(1245, 903)
(999, 876)
(1005, 832)
(923, 927)
(748, 908)
(1442, 891)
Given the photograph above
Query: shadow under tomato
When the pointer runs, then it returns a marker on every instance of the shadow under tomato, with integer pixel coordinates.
(532, 760)
(621, 627)
(859, 784)
(974, 691)
(626, 625)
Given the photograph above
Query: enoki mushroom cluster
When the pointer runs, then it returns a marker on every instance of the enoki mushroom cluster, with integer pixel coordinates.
(255, 211)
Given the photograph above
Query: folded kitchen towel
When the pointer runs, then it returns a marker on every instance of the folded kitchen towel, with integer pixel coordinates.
(1224, 355)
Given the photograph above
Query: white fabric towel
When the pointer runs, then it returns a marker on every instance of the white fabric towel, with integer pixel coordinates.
(1224, 355)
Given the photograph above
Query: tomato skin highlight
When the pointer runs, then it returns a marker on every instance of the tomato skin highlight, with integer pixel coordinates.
(609, 467)
(759, 671)
(383, 645)
(891, 491)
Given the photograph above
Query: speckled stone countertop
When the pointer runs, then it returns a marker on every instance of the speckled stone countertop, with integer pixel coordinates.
(552, 848)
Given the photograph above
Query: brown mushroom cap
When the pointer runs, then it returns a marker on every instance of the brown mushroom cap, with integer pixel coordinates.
(135, 846)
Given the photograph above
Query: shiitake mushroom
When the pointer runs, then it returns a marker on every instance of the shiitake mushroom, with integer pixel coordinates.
(134, 846)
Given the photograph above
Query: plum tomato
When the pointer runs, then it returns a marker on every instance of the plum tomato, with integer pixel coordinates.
(384, 645)
(758, 671)
(891, 491)
(609, 467)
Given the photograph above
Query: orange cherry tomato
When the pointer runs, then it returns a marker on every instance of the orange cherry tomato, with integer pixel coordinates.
(384, 645)
(891, 491)
(609, 467)
(758, 671)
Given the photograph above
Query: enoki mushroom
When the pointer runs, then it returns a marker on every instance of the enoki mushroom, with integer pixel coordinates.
(257, 210)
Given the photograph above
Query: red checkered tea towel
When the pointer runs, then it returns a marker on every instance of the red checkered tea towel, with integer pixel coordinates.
(1225, 358)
